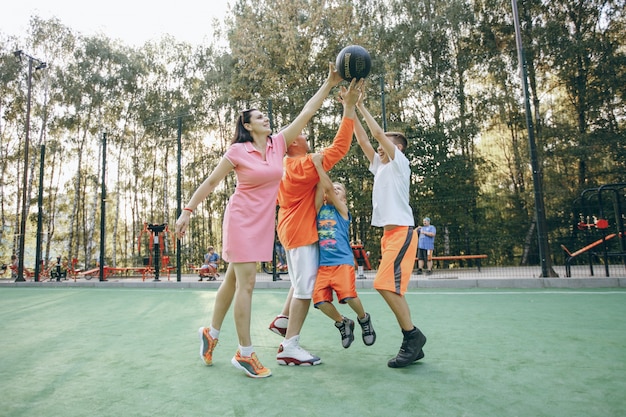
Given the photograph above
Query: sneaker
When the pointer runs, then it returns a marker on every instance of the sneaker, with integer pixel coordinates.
(346, 328)
(279, 325)
(207, 344)
(429, 272)
(410, 350)
(294, 355)
(250, 365)
(369, 335)
(419, 272)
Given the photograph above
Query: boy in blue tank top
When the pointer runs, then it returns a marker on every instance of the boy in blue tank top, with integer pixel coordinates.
(336, 270)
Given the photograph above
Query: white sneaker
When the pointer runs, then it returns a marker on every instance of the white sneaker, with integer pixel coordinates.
(293, 355)
(279, 325)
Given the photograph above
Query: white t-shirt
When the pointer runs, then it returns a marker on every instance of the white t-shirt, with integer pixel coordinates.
(390, 196)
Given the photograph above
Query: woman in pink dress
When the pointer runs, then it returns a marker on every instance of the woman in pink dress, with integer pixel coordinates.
(257, 159)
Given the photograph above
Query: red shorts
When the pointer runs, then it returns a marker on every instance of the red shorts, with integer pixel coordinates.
(398, 249)
(339, 278)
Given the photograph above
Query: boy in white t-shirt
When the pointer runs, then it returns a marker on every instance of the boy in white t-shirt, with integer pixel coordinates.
(392, 212)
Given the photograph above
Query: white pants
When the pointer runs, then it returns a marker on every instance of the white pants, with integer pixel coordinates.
(303, 263)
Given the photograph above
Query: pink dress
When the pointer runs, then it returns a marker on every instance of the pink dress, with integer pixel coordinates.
(249, 219)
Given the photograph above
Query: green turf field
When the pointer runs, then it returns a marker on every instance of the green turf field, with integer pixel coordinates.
(134, 352)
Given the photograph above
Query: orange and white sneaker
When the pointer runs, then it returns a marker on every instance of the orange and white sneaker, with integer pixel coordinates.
(250, 365)
(207, 344)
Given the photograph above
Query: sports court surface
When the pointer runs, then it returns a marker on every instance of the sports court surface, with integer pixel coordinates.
(115, 351)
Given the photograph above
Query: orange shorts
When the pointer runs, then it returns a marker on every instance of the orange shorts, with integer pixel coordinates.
(339, 278)
(398, 249)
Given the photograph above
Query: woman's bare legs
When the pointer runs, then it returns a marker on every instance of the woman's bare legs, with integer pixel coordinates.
(245, 274)
(223, 298)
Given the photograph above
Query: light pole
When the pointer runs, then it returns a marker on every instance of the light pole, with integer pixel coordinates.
(540, 213)
(39, 65)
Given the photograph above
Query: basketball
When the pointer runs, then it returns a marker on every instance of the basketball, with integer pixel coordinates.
(353, 62)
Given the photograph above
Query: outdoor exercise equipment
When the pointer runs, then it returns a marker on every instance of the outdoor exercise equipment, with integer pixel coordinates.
(361, 259)
(594, 222)
(156, 261)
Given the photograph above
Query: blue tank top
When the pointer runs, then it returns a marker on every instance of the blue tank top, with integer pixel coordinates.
(334, 237)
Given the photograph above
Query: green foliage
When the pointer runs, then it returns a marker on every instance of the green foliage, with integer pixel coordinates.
(444, 72)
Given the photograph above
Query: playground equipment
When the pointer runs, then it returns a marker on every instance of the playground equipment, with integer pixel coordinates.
(593, 221)
(154, 263)
(361, 259)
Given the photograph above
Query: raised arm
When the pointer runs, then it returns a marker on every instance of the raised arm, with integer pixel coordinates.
(202, 192)
(326, 186)
(377, 131)
(299, 123)
(343, 139)
(363, 140)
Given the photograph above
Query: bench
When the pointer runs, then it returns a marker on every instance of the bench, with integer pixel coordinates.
(205, 271)
(572, 255)
(477, 258)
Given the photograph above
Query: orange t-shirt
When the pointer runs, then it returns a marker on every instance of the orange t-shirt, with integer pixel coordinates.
(296, 193)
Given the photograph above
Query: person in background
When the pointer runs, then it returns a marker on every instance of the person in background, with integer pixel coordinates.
(209, 268)
(14, 266)
(425, 246)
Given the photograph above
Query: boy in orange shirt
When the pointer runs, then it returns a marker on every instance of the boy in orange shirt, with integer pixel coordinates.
(297, 227)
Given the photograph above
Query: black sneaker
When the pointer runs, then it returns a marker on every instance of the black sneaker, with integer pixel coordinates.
(419, 272)
(410, 350)
(346, 328)
(429, 272)
(369, 335)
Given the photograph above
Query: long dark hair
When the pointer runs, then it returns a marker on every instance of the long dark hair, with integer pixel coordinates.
(241, 133)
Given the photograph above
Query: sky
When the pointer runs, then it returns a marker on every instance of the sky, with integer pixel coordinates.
(131, 21)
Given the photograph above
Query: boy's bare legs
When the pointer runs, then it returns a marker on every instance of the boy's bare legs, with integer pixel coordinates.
(330, 310)
(343, 324)
(298, 310)
(413, 339)
(280, 322)
(400, 309)
(285, 311)
(356, 306)
(365, 321)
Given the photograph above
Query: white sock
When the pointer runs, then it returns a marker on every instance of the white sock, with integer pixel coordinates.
(246, 351)
(215, 334)
(291, 341)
